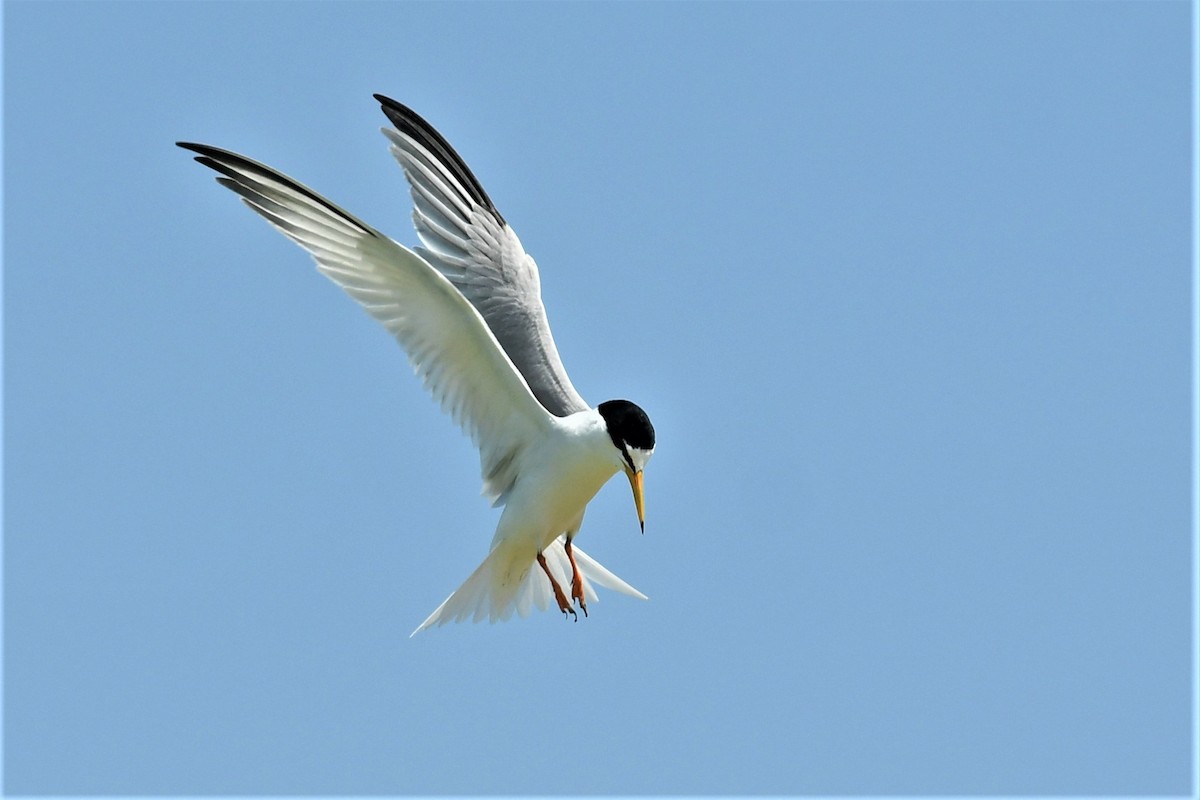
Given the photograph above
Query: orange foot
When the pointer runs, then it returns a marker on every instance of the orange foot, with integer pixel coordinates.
(559, 597)
(576, 581)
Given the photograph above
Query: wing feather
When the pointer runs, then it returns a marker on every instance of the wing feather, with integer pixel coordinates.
(467, 240)
(448, 343)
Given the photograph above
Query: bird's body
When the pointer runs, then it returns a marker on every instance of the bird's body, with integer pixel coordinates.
(563, 472)
(467, 309)
(566, 470)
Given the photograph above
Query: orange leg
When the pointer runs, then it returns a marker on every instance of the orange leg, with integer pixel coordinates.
(576, 580)
(559, 597)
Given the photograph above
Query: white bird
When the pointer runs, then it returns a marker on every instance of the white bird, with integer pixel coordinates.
(467, 310)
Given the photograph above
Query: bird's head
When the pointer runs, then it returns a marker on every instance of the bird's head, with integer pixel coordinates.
(633, 436)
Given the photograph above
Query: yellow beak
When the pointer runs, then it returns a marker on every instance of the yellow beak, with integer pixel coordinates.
(635, 482)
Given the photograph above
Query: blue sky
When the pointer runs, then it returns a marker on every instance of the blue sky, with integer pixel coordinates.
(905, 288)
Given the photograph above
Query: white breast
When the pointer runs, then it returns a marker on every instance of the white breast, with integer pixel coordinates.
(557, 481)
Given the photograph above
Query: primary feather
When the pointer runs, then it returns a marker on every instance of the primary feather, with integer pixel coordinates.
(467, 240)
(447, 342)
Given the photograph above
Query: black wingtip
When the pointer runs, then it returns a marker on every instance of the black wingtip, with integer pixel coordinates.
(206, 153)
(388, 102)
(414, 125)
(247, 172)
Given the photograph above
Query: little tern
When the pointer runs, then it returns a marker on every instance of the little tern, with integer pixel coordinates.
(466, 307)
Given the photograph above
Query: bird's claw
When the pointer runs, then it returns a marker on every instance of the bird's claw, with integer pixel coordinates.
(577, 596)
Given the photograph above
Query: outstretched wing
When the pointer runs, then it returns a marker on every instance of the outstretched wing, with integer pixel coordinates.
(447, 342)
(468, 241)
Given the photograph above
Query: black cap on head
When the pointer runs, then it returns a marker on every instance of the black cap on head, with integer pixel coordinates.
(627, 424)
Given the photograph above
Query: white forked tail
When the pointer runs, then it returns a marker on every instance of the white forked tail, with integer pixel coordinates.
(507, 581)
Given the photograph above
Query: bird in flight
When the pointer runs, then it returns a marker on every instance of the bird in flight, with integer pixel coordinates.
(467, 309)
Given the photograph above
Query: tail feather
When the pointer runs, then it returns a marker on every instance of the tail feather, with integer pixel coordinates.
(507, 582)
